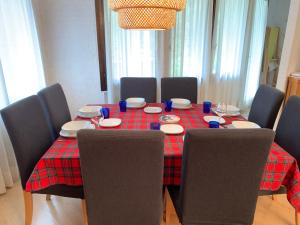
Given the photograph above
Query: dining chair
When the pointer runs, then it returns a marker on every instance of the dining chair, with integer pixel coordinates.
(219, 180)
(55, 103)
(30, 134)
(179, 87)
(122, 173)
(143, 87)
(287, 137)
(265, 106)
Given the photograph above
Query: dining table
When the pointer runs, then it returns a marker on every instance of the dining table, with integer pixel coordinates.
(61, 162)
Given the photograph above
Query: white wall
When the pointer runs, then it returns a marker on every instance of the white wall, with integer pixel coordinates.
(67, 32)
(290, 58)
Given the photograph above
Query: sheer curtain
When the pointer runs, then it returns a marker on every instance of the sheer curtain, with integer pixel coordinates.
(239, 31)
(129, 53)
(228, 45)
(191, 42)
(226, 58)
(21, 72)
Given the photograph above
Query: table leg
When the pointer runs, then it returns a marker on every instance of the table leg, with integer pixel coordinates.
(48, 197)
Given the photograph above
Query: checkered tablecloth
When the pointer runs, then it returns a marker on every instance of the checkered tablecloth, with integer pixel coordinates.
(61, 164)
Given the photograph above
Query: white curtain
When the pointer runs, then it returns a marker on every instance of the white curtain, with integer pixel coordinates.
(20, 56)
(222, 48)
(228, 45)
(129, 53)
(21, 71)
(191, 42)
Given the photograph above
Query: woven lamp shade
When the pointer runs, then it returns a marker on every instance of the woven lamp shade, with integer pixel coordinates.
(147, 14)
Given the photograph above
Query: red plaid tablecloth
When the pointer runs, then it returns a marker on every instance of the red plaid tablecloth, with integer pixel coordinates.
(61, 164)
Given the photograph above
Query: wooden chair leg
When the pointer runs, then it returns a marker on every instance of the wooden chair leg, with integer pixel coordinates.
(168, 206)
(48, 197)
(84, 212)
(274, 197)
(297, 218)
(28, 207)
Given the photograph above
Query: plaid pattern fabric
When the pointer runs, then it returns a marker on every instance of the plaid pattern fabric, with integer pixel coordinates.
(61, 164)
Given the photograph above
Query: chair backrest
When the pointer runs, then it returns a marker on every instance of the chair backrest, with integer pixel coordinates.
(144, 87)
(221, 174)
(265, 106)
(122, 174)
(287, 132)
(179, 87)
(55, 103)
(29, 132)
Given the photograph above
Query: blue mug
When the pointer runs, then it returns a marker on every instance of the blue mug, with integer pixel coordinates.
(206, 106)
(214, 124)
(155, 126)
(123, 106)
(105, 113)
(168, 105)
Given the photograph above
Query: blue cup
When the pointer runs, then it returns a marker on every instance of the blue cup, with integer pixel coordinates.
(206, 106)
(168, 105)
(105, 113)
(123, 106)
(155, 126)
(214, 124)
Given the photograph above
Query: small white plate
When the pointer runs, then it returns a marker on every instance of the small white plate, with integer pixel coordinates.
(171, 129)
(207, 119)
(180, 101)
(182, 106)
(230, 108)
(67, 134)
(134, 106)
(244, 125)
(169, 119)
(152, 110)
(111, 122)
(135, 100)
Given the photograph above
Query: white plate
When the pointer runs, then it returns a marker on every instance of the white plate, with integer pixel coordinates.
(111, 122)
(171, 129)
(76, 125)
(73, 134)
(89, 111)
(134, 106)
(180, 101)
(228, 114)
(137, 101)
(230, 108)
(152, 110)
(244, 124)
(207, 119)
(169, 119)
(182, 106)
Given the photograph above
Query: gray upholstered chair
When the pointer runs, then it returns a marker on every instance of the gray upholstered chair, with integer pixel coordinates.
(265, 106)
(55, 103)
(144, 87)
(179, 87)
(30, 135)
(287, 132)
(221, 174)
(122, 173)
(287, 136)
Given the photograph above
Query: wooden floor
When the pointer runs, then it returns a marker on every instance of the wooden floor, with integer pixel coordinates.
(64, 211)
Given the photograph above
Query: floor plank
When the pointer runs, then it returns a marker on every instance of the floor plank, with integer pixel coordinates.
(66, 211)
